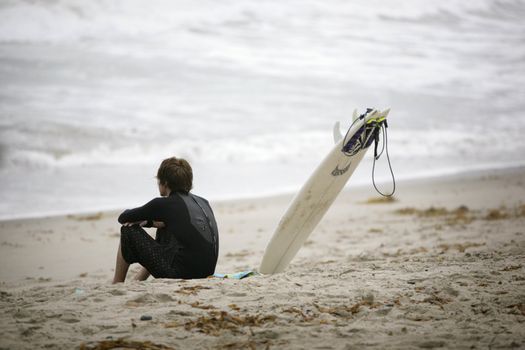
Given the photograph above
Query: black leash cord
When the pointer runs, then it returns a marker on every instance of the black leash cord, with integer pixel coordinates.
(385, 147)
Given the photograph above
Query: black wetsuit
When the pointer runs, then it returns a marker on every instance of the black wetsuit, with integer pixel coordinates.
(188, 245)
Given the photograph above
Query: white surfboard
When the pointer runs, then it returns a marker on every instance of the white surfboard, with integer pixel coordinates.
(319, 192)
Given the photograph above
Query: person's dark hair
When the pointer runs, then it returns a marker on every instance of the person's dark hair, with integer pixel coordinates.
(176, 173)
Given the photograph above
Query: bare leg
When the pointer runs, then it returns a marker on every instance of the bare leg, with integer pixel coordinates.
(142, 275)
(121, 268)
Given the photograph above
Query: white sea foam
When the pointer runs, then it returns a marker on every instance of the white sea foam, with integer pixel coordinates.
(248, 91)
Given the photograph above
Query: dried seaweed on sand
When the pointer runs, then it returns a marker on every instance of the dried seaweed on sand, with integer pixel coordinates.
(122, 344)
(191, 290)
(380, 200)
(217, 321)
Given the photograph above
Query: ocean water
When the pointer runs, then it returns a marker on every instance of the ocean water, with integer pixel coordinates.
(94, 94)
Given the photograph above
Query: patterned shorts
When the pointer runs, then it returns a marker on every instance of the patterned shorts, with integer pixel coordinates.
(139, 247)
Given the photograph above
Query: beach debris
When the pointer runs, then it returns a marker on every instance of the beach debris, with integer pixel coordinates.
(400, 252)
(406, 211)
(375, 230)
(191, 290)
(460, 215)
(239, 254)
(123, 345)
(430, 212)
(461, 247)
(512, 267)
(234, 307)
(198, 305)
(306, 315)
(463, 215)
(238, 275)
(146, 318)
(177, 312)
(79, 291)
(435, 299)
(380, 200)
(347, 311)
(496, 214)
(217, 321)
(89, 217)
(172, 324)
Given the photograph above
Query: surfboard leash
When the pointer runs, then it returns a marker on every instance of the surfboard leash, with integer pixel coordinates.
(382, 127)
(364, 137)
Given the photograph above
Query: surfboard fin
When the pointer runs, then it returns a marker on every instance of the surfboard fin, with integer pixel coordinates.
(337, 133)
(337, 127)
(355, 115)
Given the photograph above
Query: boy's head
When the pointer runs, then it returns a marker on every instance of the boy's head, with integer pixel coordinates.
(176, 174)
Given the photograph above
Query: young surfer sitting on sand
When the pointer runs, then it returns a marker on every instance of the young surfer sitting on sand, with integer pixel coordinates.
(187, 241)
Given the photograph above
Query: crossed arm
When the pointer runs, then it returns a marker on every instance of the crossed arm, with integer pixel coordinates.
(150, 212)
(143, 223)
(141, 216)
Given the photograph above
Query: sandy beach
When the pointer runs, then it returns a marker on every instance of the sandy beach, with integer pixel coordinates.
(440, 266)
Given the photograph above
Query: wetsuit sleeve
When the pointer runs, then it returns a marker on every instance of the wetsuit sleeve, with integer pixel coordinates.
(149, 211)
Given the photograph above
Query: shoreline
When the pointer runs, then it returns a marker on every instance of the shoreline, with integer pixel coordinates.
(289, 193)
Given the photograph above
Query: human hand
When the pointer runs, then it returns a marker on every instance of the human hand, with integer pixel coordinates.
(140, 223)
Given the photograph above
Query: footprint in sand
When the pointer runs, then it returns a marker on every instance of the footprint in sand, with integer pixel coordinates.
(163, 298)
(149, 299)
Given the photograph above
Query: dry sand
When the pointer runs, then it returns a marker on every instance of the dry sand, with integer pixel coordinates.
(442, 266)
